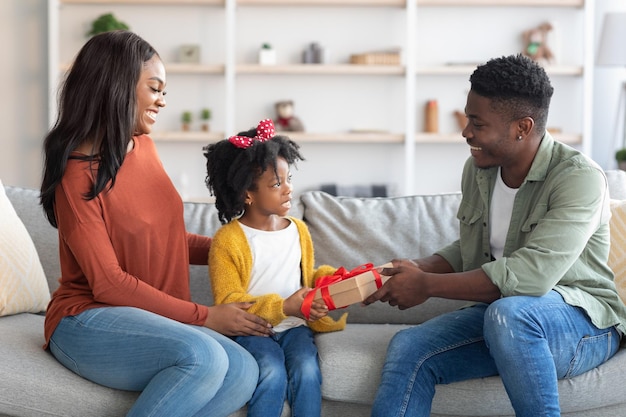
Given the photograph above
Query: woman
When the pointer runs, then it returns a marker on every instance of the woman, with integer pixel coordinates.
(122, 315)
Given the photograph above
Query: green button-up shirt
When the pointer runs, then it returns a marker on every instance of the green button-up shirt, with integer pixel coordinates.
(558, 237)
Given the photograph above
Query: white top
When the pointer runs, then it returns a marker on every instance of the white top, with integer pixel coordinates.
(276, 258)
(500, 218)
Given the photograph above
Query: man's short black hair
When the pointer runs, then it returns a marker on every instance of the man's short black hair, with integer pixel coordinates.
(517, 85)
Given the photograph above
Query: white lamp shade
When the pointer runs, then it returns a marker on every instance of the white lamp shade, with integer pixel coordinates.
(612, 50)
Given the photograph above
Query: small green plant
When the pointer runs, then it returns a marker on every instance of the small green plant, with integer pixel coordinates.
(266, 46)
(620, 155)
(106, 23)
(186, 120)
(205, 115)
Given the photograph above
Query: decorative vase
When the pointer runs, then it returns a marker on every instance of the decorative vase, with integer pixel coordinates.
(267, 56)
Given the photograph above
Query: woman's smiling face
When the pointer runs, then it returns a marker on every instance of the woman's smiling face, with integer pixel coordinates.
(150, 94)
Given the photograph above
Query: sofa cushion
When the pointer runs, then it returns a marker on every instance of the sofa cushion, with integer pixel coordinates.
(23, 285)
(617, 255)
(25, 201)
(33, 383)
(397, 227)
(351, 362)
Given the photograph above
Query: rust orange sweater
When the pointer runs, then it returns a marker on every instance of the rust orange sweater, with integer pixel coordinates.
(126, 247)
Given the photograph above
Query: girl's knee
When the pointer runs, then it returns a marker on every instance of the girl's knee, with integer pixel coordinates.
(307, 370)
(273, 372)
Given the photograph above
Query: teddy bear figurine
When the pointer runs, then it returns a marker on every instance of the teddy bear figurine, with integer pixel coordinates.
(536, 44)
(285, 120)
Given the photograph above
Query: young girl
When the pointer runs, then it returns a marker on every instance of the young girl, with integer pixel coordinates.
(263, 256)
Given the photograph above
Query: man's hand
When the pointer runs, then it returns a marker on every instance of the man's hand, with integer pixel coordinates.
(233, 320)
(406, 287)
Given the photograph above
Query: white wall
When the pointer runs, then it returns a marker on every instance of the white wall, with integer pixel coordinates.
(24, 113)
(607, 118)
(23, 74)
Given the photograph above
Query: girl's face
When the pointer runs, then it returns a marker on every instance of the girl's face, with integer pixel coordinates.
(150, 94)
(273, 193)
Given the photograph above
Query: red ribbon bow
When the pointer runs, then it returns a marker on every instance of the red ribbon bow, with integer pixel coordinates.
(324, 282)
(264, 131)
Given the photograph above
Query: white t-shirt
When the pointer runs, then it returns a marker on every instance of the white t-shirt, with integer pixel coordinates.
(276, 258)
(500, 218)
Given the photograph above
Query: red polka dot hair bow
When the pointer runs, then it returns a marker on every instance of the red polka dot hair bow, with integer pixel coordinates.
(264, 132)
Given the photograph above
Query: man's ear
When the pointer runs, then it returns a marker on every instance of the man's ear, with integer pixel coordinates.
(525, 125)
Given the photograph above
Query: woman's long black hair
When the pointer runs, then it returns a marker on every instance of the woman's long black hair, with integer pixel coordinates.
(97, 103)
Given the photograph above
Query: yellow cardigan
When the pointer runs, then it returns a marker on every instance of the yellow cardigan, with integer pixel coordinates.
(230, 267)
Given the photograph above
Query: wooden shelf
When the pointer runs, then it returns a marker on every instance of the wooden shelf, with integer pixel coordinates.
(340, 69)
(181, 68)
(149, 2)
(302, 137)
(321, 69)
(466, 69)
(346, 137)
(324, 3)
(342, 137)
(434, 138)
(342, 3)
(504, 3)
(180, 136)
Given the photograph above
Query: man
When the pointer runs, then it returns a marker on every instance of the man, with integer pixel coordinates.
(532, 252)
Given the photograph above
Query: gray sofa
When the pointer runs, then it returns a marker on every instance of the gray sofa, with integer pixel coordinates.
(346, 231)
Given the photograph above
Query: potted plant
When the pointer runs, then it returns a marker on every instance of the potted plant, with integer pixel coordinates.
(205, 116)
(267, 55)
(106, 23)
(186, 120)
(620, 157)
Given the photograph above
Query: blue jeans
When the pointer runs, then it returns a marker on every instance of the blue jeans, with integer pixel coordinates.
(288, 366)
(529, 341)
(182, 370)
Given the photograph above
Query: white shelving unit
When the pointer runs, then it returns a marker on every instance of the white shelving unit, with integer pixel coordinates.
(361, 121)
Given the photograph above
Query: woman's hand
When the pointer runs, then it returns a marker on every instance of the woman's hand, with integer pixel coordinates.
(233, 320)
(293, 306)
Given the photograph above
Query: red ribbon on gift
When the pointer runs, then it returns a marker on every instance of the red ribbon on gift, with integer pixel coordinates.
(324, 282)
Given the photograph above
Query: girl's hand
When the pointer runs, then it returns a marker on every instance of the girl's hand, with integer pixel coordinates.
(233, 320)
(318, 310)
(293, 305)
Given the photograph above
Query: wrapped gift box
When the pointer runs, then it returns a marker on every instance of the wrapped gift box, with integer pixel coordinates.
(352, 289)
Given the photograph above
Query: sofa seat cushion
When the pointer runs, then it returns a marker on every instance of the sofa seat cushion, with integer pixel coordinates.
(351, 361)
(33, 383)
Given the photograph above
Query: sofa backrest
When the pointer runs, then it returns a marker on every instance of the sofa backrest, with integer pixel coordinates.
(346, 231)
(349, 231)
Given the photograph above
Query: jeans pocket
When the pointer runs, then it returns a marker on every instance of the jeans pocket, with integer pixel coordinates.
(590, 352)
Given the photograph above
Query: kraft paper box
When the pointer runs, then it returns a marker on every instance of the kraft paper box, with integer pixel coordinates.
(352, 290)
